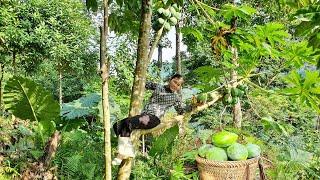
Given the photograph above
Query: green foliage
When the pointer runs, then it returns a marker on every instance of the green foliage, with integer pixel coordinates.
(305, 88)
(37, 31)
(293, 162)
(164, 142)
(92, 4)
(177, 173)
(75, 114)
(80, 155)
(28, 100)
(20, 143)
(124, 18)
(194, 32)
(228, 11)
(8, 173)
(173, 164)
(263, 40)
(270, 125)
(207, 77)
(289, 137)
(297, 54)
(81, 107)
(309, 25)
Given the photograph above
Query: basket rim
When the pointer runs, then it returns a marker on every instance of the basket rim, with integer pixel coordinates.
(203, 161)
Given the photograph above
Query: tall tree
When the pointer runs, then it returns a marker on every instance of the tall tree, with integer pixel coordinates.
(104, 70)
(142, 58)
(140, 75)
(104, 65)
(237, 113)
(38, 31)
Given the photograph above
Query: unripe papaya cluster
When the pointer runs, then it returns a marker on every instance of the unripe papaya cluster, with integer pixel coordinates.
(168, 17)
(233, 94)
(224, 147)
(200, 99)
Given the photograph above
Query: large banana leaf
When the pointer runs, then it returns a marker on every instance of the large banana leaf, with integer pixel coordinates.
(27, 100)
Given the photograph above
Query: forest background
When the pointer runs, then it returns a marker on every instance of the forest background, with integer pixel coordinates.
(55, 62)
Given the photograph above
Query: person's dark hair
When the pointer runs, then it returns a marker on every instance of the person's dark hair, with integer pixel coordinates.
(176, 76)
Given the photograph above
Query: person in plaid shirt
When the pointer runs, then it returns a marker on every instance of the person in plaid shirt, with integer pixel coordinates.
(163, 97)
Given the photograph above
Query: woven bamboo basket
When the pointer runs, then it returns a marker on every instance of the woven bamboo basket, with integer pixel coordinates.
(227, 170)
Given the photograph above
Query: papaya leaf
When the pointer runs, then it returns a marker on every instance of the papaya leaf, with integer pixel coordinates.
(194, 32)
(309, 24)
(306, 86)
(228, 11)
(293, 79)
(269, 124)
(28, 100)
(272, 33)
(313, 101)
(206, 76)
(247, 10)
(315, 90)
(207, 73)
(291, 91)
(311, 78)
(298, 53)
(208, 9)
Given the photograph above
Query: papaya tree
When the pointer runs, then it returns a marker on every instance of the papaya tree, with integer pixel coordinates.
(144, 54)
(257, 42)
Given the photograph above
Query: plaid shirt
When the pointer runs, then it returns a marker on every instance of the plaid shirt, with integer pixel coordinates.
(161, 100)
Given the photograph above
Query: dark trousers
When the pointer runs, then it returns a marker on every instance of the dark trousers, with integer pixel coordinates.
(124, 127)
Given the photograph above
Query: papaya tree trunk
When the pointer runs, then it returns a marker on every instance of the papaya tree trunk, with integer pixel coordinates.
(104, 66)
(160, 58)
(140, 75)
(178, 42)
(237, 114)
(1, 91)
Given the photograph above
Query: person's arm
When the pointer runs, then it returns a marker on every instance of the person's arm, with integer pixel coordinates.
(181, 107)
(151, 85)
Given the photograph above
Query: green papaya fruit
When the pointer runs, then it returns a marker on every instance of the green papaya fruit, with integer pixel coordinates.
(172, 10)
(161, 21)
(175, 6)
(177, 15)
(234, 92)
(167, 13)
(224, 139)
(237, 152)
(234, 100)
(167, 26)
(160, 10)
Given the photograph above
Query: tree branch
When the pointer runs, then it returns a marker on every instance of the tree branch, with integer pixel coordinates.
(169, 122)
(155, 42)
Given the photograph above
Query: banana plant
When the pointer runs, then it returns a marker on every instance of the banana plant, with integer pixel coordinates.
(27, 100)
